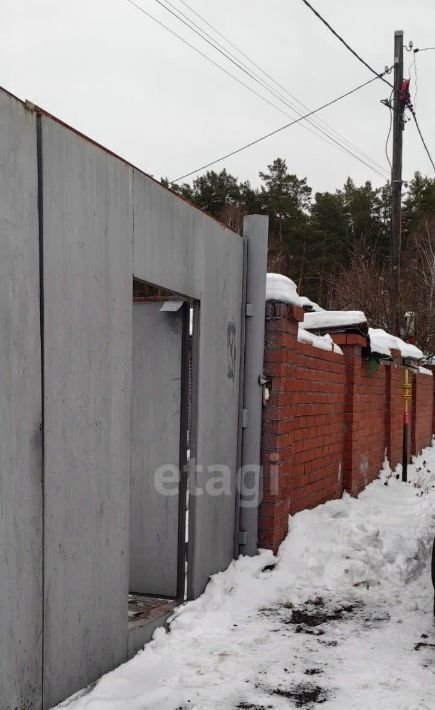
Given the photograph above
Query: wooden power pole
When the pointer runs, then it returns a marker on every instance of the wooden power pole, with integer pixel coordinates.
(396, 180)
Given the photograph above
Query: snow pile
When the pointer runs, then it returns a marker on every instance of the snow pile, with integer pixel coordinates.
(333, 319)
(425, 371)
(323, 342)
(388, 532)
(281, 288)
(382, 343)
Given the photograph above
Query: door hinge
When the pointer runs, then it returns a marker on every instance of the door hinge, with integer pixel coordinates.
(249, 310)
(244, 418)
(242, 537)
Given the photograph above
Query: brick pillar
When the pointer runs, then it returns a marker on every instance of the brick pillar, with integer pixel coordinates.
(413, 444)
(353, 474)
(432, 367)
(394, 410)
(279, 362)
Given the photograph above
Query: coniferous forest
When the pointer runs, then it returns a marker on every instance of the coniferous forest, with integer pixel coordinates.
(335, 245)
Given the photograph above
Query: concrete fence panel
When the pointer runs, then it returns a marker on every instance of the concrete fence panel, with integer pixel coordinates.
(20, 413)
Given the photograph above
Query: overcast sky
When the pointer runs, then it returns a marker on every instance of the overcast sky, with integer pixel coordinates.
(111, 72)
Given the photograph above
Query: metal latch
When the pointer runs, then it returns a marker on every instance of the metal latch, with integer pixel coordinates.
(249, 310)
(264, 381)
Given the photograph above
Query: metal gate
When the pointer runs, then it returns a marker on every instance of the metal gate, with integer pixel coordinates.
(158, 455)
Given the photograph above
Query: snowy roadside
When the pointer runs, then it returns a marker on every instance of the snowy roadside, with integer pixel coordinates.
(342, 617)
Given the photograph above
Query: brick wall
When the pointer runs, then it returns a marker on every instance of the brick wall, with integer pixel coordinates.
(303, 424)
(329, 420)
(422, 411)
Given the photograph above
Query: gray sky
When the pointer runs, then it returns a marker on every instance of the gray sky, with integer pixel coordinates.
(111, 72)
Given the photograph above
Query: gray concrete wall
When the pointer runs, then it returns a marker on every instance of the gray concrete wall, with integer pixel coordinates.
(20, 413)
(88, 227)
(218, 397)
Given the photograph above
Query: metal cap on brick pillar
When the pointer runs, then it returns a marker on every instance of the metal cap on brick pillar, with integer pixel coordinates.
(255, 231)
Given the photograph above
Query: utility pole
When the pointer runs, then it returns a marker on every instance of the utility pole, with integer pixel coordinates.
(396, 180)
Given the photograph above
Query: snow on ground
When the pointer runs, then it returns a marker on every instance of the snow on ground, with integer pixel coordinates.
(342, 617)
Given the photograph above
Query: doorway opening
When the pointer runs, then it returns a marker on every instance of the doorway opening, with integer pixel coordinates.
(162, 438)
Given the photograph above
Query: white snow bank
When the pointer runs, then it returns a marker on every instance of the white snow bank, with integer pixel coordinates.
(332, 319)
(323, 342)
(425, 371)
(308, 302)
(382, 342)
(281, 288)
(383, 537)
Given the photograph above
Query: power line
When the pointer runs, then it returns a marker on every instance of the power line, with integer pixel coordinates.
(315, 123)
(411, 107)
(205, 56)
(273, 133)
(241, 66)
(239, 81)
(411, 65)
(421, 136)
(343, 41)
(388, 104)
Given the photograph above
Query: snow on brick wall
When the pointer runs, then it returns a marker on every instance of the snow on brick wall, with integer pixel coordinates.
(329, 420)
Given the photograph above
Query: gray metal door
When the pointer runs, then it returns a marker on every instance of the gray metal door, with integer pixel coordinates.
(156, 417)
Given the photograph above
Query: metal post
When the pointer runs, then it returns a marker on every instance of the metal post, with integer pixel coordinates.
(255, 231)
(396, 180)
(406, 398)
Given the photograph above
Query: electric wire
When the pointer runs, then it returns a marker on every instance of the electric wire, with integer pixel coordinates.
(343, 41)
(205, 56)
(240, 65)
(425, 49)
(421, 136)
(389, 131)
(416, 81)
(274, 132)
(412, 107)
(318, 123)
